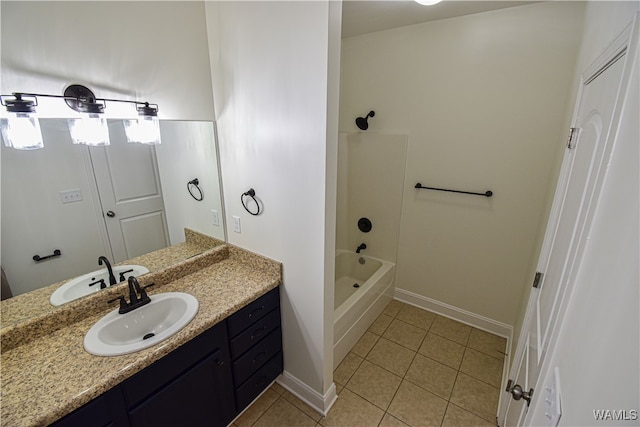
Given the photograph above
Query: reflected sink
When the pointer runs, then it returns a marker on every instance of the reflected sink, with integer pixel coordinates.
(79, 287)
(116, 334)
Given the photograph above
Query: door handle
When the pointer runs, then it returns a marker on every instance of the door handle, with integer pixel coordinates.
(111, 214)
(517, 393)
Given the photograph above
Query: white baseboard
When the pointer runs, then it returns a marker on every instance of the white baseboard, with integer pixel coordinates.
(322, 404)
(455, 313)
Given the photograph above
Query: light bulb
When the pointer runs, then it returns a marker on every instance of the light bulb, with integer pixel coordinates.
(21, 130)
(91, 130)
(145, 130)
(428, 2)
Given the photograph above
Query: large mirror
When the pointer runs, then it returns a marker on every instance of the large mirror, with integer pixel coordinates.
(119, 201)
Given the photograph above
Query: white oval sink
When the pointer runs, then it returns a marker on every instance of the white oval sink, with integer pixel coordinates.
(116, 334)
(79, 287)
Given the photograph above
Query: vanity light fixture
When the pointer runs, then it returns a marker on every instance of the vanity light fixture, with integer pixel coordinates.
(21, 129)
(428, 2)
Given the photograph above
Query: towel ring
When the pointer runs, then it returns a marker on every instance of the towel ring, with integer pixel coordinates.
(251, 193)
(194, 182)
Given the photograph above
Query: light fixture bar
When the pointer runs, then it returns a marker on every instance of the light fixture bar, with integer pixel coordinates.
(21, 129)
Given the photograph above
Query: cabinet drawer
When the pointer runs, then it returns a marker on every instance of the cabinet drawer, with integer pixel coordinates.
(253, 312)
(258, 382)
(259, 354)
(254, 333)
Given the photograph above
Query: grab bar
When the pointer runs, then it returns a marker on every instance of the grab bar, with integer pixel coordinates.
(38, 258)
(487, 193)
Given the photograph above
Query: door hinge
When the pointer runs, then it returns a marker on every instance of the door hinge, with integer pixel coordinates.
(537, 279)
(571, 143)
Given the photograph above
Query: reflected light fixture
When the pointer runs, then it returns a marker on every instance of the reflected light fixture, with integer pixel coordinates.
(428, 2)
(21, 128)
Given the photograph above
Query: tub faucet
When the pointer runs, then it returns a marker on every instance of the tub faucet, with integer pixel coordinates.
(112, 278)
(361, 247)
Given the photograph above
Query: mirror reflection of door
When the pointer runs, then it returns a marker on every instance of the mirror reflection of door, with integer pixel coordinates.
(130, 196)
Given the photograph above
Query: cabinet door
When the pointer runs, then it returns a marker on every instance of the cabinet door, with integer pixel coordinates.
(202, 396)
(105, 410)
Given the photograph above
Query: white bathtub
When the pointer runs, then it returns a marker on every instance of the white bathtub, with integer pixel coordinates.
(356, 307)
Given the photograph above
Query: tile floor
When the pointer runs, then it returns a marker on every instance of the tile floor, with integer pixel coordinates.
(411, 368)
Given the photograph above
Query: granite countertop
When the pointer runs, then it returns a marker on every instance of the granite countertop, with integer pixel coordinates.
(34, 303)
(46, 373)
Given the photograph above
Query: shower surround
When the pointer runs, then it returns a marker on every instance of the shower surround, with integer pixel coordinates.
(371, 169)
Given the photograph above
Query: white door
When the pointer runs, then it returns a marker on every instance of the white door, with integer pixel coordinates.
(130, 195)
(578, 185)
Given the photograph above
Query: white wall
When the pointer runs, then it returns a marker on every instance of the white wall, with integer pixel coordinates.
(597, 345)
(34, 220)
(483, 100)
(188, 151)
(371, 186)
(155, 51)
(271, 67)
(152, 51)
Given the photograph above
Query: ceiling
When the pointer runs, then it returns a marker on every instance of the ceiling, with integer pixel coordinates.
(366, 16)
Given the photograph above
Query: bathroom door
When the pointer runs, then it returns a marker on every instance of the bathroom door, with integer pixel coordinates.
(130, 195)
(576, 196)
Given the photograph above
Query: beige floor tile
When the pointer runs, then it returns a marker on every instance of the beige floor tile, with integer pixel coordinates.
(278, 388)
(308, 410)
(346, 368)
(365, 344)
(352, 410)
(458, 417)
(442, 350)
(256, 410)
(416, 316)
(416, 406)
(393, 308)
(432, 376)
(475, 396)
(450, 329)
(391, 356)
(390, 421)
(405, 334)
(375, 384)
(283, 413)
(487, 343)
(380, 324)
(482, 367)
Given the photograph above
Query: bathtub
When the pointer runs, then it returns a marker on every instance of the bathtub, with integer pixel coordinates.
(362, 292)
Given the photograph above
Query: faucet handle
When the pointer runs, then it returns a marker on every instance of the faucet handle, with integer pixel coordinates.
(123, 303)
(143, 293)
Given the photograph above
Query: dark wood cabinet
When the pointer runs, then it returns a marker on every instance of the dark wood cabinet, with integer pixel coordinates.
(207, 381)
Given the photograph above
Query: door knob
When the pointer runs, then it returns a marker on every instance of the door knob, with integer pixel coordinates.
(111, 214)
(517, 393)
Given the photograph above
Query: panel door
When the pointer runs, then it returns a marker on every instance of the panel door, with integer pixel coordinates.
(130, 195)
(565, 236)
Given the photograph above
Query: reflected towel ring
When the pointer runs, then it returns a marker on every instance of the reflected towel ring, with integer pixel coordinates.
(251, 193)
(195, 183)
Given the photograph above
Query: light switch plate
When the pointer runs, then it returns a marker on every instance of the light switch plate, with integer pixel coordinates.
(70, 196)
(552, 407)
(236, 224)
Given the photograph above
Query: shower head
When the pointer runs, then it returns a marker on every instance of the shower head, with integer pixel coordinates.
(362, 123)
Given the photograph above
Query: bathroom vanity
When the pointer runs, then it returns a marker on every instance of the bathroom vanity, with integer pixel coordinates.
(205, 374)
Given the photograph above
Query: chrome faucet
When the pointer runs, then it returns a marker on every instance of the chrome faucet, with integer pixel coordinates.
(112, 278)
(361, 247)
